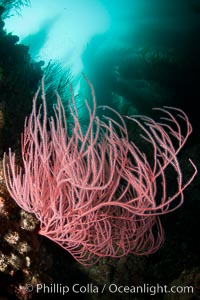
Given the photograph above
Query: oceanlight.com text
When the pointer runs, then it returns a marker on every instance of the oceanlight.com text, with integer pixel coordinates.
(57, 288)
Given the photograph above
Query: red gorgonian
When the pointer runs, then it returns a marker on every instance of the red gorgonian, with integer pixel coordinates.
(96, 192)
